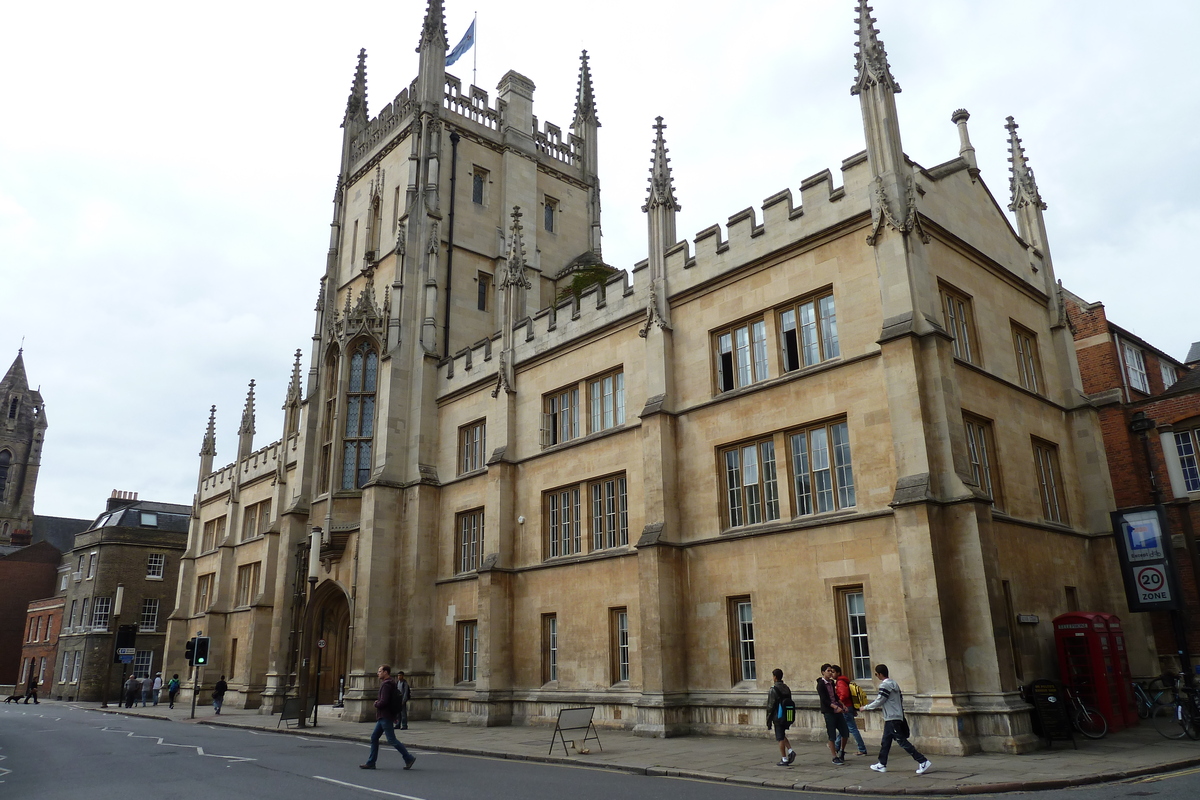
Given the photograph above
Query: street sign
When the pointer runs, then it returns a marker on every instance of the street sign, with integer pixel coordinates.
(126, 651)
(1151, 584)
(1144, 550)
(126, 659)
(320, 642)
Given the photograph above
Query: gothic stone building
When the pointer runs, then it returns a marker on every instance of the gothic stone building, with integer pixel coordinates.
(848, 427)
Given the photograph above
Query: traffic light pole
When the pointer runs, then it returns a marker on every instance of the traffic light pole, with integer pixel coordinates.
(195, 687)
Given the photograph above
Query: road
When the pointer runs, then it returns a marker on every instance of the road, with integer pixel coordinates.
(57, 752)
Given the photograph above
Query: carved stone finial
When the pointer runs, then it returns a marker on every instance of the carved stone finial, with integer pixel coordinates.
(293, 390)
(247, 426)
(882, 215)
(585, 102)
(870, 61)
(433, 32)
(208, 447)
(514, 270)
(357, 103)
(1022, 185)
(662, 189)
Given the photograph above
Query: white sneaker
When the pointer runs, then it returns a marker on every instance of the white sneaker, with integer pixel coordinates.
(879, 767)
(924, 767)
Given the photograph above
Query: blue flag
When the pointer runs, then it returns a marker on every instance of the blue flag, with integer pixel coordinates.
(468, 40)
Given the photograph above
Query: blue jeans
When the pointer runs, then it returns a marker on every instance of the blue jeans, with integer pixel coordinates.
(890, 734)
(384, 727)
(853, 727)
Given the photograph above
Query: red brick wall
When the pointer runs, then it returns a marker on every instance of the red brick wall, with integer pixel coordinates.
(25, 575)
(46, 616)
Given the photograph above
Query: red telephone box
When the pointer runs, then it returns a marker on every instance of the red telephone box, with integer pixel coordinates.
(1087, 661)
(1124, 674)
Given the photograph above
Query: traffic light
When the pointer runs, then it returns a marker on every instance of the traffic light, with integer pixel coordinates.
(189, 652)
(201, 650)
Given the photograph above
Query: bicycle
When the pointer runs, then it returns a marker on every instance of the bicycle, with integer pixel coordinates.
(1179, 716)
(1149, 697)
(1086, 719)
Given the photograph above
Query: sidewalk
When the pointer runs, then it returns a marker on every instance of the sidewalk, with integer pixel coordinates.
(1140, 751)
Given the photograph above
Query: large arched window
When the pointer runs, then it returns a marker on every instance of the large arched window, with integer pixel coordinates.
(360, 417)
(329, 395)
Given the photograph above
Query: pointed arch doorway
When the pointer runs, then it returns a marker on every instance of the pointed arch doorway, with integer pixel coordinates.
(328, 622)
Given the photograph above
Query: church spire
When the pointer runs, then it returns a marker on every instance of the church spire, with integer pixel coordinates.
(291, 403)
(1021, 184)
(15, 379)
(585, 102)
(356, 104)
(662, 189)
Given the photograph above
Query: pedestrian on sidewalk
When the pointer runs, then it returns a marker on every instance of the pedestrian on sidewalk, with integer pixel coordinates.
(158, 684)
(895, 726)
(833, 711)
(847, 700)
(172, 690)
(386, 710)
(779, 708)
(31, 688)
(147, 689)
(405, 695)
(132, 686)
(219, 693)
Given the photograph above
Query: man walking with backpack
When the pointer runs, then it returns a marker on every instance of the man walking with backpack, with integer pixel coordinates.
(781, 713)
(895, 726)
(387, 707)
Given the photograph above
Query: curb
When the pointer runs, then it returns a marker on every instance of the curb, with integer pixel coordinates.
(734, 780)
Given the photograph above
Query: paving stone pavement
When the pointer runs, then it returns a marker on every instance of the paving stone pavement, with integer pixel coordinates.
(751, 761)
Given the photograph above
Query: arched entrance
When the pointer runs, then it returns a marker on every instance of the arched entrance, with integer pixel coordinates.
(328, 621)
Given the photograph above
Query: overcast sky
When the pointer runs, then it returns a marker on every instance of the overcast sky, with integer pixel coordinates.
(167, 171)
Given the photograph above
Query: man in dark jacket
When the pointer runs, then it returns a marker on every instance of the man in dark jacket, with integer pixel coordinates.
(833, 711)
(386, 709)
(405, 692)
(775, 698)
(219, 694)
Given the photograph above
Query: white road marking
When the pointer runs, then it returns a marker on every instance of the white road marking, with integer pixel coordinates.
(159, 740)
(366, 788)
(4, 771)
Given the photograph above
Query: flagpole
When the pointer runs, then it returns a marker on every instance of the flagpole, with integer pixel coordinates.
(475, 49)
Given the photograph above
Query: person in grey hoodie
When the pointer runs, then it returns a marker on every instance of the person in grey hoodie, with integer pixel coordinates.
(895, 727)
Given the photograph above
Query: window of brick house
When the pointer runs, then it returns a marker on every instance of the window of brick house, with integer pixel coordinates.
(1135, 367)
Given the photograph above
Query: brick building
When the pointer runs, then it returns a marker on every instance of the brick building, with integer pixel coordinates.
(123, 569)
(25, 575)
(1125, 375)
(43, 623)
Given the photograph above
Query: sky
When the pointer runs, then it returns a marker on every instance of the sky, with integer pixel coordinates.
(167, 170)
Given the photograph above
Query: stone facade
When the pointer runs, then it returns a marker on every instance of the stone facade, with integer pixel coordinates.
(123, 570)
(848, 428)
(1125, 376)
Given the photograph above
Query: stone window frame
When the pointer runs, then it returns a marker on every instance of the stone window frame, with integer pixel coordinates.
(213, 533)
(480, 180)
(738, 500)
(358, 433)
(549, 648)
(737, 365)
(1029, 361)
(794, 350)
(619, 650)
(470, 526)
(743, 663)
(467, 647)
(959, 314)
(854, 639)
(249, 578)
(606, 400)
(204, 592)
(843, 490)
(983, 455)
(1047, 471)
(472, 446)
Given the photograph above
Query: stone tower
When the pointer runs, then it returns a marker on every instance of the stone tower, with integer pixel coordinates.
(22, 429)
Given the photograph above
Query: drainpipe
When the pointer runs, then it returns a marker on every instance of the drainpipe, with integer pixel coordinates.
(454, 139)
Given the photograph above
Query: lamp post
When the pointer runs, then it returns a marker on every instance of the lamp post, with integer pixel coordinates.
(116, 627)
(1142, 425)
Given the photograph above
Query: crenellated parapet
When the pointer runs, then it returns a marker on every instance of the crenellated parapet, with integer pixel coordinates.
(380, 128)
(474, 105)
(569, 320)
(261, 463)
(549, 141)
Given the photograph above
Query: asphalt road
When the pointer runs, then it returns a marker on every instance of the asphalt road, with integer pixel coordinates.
(57, 752)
